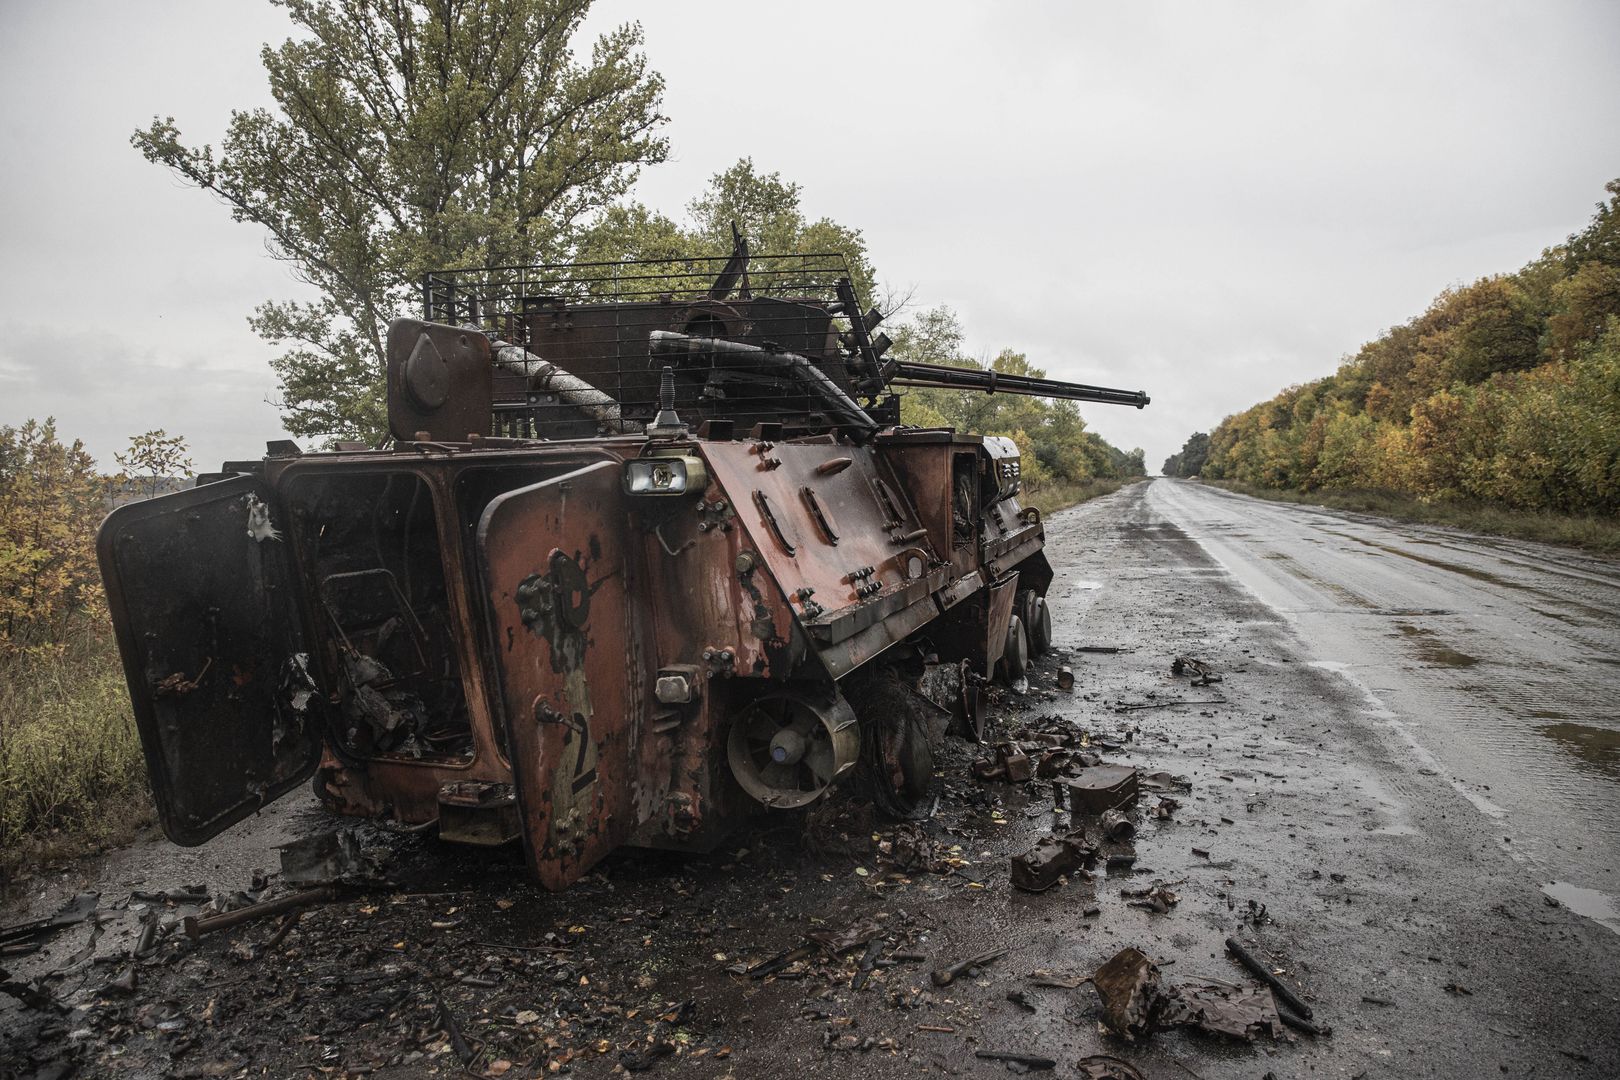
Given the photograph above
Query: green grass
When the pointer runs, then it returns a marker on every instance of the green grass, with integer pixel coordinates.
(1600, 534)
(1055, 495)
(72, 778)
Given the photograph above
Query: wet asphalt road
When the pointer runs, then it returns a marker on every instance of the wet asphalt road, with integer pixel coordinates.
(1497, 660)
(1409, 744)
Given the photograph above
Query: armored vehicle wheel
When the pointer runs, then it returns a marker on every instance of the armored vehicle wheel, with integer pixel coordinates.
(1039, 627)
(786, 751)
(1015, 655)
(897, 755)
(1031, 608)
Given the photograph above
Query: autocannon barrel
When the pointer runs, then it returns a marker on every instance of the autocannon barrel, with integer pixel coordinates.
(915, 373)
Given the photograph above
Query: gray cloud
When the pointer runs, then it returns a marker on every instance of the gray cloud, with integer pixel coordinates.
(1205, 201)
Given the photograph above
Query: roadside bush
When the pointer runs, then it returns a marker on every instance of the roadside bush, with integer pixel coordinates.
(71, 769)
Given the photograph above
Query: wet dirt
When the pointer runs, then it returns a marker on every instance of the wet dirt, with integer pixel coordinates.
(1329, 827)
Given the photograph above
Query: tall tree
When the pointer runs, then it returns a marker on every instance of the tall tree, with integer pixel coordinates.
(410, 135)
(1189, 461)
(765, 209)
(155, 456)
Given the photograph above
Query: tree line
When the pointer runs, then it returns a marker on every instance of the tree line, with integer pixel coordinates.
(1190, 459)
(1506, 390)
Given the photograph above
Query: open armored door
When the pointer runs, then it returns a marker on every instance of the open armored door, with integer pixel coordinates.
(556, 570)
(205, 605)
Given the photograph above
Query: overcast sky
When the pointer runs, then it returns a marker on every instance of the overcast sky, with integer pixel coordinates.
(1204, 201)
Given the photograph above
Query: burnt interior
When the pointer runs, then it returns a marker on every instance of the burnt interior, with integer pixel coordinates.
(381, 613)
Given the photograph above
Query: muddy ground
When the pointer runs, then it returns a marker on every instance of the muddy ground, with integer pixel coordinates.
(1317, 830)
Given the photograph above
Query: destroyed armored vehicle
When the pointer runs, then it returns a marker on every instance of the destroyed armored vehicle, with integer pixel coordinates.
(649, 549)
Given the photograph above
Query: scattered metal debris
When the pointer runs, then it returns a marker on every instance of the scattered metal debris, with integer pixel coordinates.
(197, 926)
(1202, 673)
(1128, 985)
(1163, 781)
(75, 911)
(947, 975)
(1143, 705)
(1107, 1067)
(1156, 897)
(1116, 826)
(1052, 858)
(1030, 1062)
(326, 857)
(836, 942)
(1136, 1003)
(1098, 789)
(1239, 1012)
(1285, 994)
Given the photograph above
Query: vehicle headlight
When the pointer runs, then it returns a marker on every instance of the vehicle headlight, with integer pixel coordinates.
(664, 476)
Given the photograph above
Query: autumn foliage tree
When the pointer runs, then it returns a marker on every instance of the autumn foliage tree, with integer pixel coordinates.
(51, 500)
(410, 135)
(1506, 390)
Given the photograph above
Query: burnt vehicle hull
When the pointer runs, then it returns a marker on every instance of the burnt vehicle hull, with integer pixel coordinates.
(599, 627)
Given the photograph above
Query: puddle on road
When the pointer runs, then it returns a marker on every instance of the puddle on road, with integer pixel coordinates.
(1433, 652)
(1085, 585)
(1590, 903)
(1597, 747)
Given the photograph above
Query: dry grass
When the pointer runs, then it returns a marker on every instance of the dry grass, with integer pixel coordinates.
(1601, 534)
(72, 778)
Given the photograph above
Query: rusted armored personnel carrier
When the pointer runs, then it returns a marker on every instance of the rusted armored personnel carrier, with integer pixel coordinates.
(649, 549)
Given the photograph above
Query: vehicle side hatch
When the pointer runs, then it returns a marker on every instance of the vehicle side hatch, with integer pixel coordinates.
(206, 609)
(556, 566)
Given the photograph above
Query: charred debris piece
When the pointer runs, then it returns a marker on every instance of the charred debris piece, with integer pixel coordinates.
(1099, 798)
(1136, 1003)
(1285, 993)
(1107, 1067)
(1202, 673)
(75, 911)
(829, 947)
(1156, 897)
(1052, 859)
(950, 973)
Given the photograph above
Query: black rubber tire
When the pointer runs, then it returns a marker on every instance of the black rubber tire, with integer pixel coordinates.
(1014, 663)
(1040, 628)
(1025, 608)
(894, 737)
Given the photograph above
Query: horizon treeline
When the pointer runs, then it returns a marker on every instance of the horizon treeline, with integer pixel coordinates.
(1506, 390)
